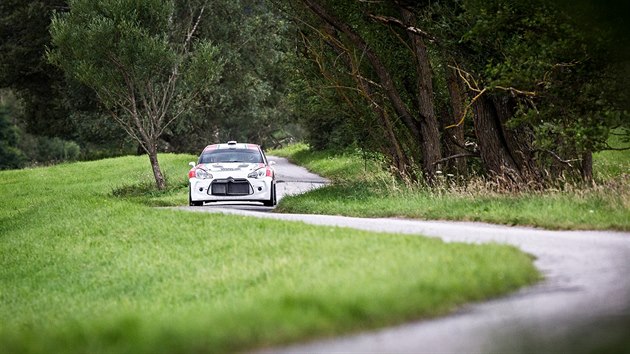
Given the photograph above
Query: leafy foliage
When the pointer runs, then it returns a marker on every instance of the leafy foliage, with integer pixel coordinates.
(534, 46)
(140, 60)
(51, 105)
(24, 69)
(541, 90)
(19, 148)
(10, 155)
(248, 102)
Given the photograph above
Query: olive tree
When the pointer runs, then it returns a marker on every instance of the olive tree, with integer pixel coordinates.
(142, 58)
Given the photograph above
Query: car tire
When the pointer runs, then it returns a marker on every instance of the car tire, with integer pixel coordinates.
(191, 202)
(275, 196)
(272, 200)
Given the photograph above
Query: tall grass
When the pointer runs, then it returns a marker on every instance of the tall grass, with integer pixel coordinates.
(363, 188)
(87, 267)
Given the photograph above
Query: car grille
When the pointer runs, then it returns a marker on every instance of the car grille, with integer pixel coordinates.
(231, 187)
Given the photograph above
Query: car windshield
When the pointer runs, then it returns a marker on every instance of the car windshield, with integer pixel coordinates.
(231, 155)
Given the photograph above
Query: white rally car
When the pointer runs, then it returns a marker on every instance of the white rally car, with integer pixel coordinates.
(232, 172)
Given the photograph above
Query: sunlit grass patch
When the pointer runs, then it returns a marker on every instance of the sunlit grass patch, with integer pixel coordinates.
(87, 266)
(612, 164)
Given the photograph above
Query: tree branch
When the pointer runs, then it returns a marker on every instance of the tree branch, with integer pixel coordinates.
(473, 86)
(193, 29)
(376, 63)
(557, 157)
(388, 20)
(461, 121)
(457, 156)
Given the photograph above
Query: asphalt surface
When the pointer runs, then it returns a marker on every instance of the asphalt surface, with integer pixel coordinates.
(583, 302)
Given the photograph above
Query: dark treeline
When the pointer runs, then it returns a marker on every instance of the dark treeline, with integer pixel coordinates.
(520, 91)
(43, 104)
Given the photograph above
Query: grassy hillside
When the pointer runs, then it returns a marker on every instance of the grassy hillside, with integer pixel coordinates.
(87, 267)
(362, 188)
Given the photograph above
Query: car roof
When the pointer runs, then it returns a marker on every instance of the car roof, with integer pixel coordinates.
(232, 145)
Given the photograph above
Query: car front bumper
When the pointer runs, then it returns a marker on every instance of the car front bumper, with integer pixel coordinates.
(231, 189)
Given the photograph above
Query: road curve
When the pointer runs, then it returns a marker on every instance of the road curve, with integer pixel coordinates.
(293, 179)
(584, 298)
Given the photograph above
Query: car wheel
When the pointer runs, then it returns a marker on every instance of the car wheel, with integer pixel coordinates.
(275, 197)
(272, 200)
(191, 202)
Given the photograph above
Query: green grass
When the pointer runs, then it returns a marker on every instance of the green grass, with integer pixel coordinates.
(87, 266)
(362, 189)
(348, 166)
(611, 164)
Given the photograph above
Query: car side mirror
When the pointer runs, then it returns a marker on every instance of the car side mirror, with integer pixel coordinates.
(271, 163)
(192, 164)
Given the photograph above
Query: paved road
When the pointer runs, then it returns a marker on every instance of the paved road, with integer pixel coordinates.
(292, 179)
(585, 297)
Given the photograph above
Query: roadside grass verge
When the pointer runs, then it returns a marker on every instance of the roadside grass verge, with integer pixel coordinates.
(363, 189)
(87, 266)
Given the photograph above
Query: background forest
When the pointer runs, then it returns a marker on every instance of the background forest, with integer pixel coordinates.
(522, 92)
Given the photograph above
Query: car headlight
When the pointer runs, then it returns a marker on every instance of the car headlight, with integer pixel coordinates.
(256, 174)
(202, 174)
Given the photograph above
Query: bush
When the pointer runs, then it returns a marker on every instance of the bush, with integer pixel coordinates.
(45, 150)
(10, 155)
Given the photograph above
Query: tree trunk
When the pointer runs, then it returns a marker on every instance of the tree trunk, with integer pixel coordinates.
(400, 160)
(381, 71)
(392, 144)
(160, 182)
(429, 128)
(518, 140)
(587, 167)
(494, 153)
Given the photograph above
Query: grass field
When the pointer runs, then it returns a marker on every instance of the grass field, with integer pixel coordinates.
(87, 266)
(362, 188)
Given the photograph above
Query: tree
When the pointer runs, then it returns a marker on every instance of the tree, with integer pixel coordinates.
(248, 102)
(395, 93)
(52, 105)
(24, 69)
(545, 89)
(141, 58)
(520, 86)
